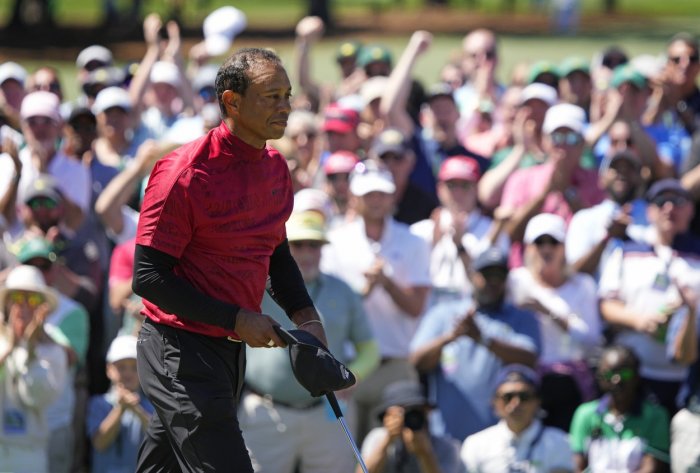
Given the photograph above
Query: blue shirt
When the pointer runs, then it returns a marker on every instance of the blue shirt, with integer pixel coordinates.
(121, 455)
(461, 386)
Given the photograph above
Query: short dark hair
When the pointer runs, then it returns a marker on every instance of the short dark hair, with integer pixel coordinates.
(233, 74)
(689, 39)
(624, 353)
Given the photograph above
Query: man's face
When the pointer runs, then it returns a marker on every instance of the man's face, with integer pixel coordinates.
(79, 135)
(307, 254)
(490, 285)
(400, 164)
(164, 94)
(445, 115)
(338, 186)
(683, 63)
(479, 51)
(42, 131)
(517, 403)
(13, 92)
(44, 212)
(113, 122)
(46, 80)
(670, 212)
(537, 110)
(124, 372)
(621, 180)
(375, 206)
(567, 142)
(617, 375)
(342, 141)
(576, 88)
(261, 113)
(457, 194)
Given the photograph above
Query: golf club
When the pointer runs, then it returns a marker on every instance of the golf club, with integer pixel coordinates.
(291, 341)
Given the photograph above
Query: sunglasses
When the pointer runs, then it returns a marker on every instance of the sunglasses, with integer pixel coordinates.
(568, 138)
(488, 54)
(523, 396)
(676, 200)
(392, 157)
(42, 203)
(54, 87)
(627, 141)
(314, 245)
(692, 59)
(458, 184)
(32, 299)
(546, 240)
(618, 375)
(39, 121)
(338, 176)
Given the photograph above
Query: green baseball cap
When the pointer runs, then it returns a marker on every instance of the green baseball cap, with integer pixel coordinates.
(348, 49)
(573, 64)
(36, 248)
(373, 53)
(627, 74)
(541, 67)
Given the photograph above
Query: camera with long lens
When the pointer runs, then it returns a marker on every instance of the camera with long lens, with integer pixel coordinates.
(414, 419)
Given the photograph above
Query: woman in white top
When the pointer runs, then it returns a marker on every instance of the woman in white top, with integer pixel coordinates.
(566, 307)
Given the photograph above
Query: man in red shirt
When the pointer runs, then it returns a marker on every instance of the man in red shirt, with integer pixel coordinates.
(212, 229)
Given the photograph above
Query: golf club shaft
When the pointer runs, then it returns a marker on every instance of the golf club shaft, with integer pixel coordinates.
(354, 445)
(339, 415)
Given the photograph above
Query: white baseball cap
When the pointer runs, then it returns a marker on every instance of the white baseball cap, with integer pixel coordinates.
(94, 53)
(165, 73)
(220, 27)
(111, 97)
(539, 91)
(368, 177)
(545, 224)
(12, 70)
(121, 348)
(41, 104)
(564, 115)
(313, 199)
(373, 88)
(28, 278)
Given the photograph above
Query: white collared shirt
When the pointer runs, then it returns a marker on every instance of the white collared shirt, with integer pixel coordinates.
(498, 450)
(407, 262)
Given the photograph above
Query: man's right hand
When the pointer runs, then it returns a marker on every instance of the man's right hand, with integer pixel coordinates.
(257, 330)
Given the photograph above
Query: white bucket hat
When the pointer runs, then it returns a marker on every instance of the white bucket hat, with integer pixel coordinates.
(28, 278)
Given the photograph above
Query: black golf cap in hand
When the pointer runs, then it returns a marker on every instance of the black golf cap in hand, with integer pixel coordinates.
(314, 367)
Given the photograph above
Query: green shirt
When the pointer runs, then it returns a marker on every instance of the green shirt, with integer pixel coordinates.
(594, 430)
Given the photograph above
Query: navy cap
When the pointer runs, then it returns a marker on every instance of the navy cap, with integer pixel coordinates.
(314, 367)
(517, 373)
(666, 185)
(490, 258)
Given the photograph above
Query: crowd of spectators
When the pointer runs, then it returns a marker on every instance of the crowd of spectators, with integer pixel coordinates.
(511, 269)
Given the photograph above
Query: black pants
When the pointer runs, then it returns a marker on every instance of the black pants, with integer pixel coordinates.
(194, 383)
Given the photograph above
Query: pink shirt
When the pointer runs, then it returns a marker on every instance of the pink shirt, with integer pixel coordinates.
(525, 184)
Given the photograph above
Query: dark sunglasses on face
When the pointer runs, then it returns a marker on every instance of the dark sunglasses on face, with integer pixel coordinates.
(523, 396)
(32, 299)
(53, 86)
(489, 54)
(568, 138)
(627, 141)
(314, 245)
(676, 200)
(617, 375)
(339, 176)
(692, 59)
(458, 184)
(546, 240)
(42, 202)
(392, 157)
(38, 121)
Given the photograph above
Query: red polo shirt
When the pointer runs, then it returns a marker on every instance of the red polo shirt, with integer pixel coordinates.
(219, 206)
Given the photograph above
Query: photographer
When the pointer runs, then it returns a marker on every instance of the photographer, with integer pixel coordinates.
(403, 444)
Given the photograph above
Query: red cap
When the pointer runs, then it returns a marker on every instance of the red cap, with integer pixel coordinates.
(340, 120)
(459, 167)
(340, 162)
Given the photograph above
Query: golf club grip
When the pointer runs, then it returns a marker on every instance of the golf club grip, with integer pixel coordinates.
(334, 405)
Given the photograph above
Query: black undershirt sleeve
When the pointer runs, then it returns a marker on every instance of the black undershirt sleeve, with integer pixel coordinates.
(155, 281)
(285, 284)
